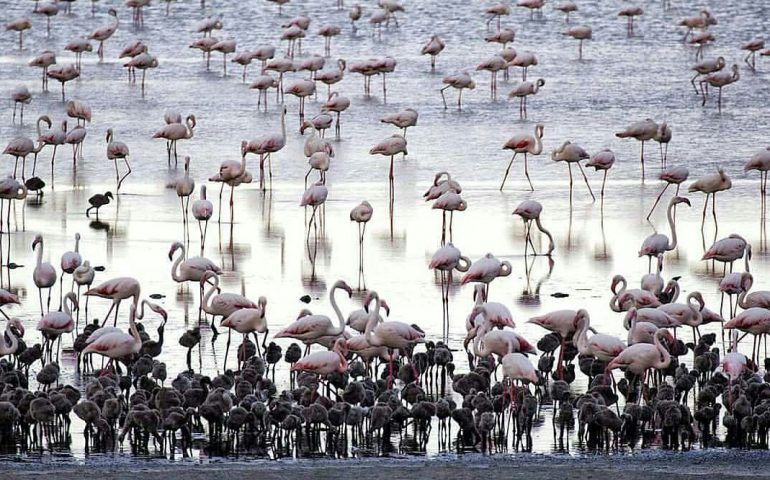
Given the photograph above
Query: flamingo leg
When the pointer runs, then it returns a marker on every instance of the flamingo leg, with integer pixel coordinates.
(507, 170)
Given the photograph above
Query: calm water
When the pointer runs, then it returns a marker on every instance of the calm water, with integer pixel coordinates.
(264, 253)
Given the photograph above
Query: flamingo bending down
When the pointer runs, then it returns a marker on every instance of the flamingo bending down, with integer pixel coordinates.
(485, 270)
(710, 185)
(563, 323)
(658, 243)
(602, 160)
(232, 173)
(643, 131)
(672, 176)
(529, 211)
(459, 81)
(526, 144)
(117, 345)
(391, 334)
(572, 153)
(223, 304)
(310, 328)
(601, 346)
(116, 289)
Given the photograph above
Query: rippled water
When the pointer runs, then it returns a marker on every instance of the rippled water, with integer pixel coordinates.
(264, 253)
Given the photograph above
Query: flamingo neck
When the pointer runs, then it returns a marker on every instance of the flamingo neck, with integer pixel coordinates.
(175, 268)
(77, 244)
(206, 306)
(665, 357)
(581, 338)
(341, 325)
(614, 305)
(283, 125)
(547, 233)
(742, 296)
(132, 328)
(372, 322)
(40, 254)
(672, 225)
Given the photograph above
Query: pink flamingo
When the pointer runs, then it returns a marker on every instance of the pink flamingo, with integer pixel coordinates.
(331, 77)
(728, 250)
(517, 367)
(580, 33)
(659, 243)
(324, 363)
(78, 46)
(117, 290)
(44, 60)
(688, 313)
(460, 81)
(703, 20)
(572, 153)
(20, 96)
(117, 345)
(760, 162)
(205, 45)
(80, 111)
(173, 132)
(338, 104)
(265, 146)
(19, 25)
(630, 13)
(746, 300)
(706, 67)
(449, 202)
(263, 83)
(115, 151)
(328, 31)
(63, 75)
(224, 47)
(754, 321)
(404, 119)
(602, 160)
(447, 259)
(493, 64)
(524, 90)
(753, 46)
(601, 346)
(232, 173)
(641, 357)
(434, 46)
(104, 33)
(485, 270)
(223, 304)
(496, 11)
(710, 185)
(643, 131)
(524, 60)
(44, 274)
(529, 211)
(21, 147)
(563, 323)
(54, 324)
(532, 5)
(310, 328)
(672, 176)
(391, 334)
(144, 61)
(10, 341)
(441, 185)
(361, 214)
(566, 8)
(246, 321)
(132, 50)
(202, 210)
(526, 144)
(720, 80)
(391, 146)
(314, 196)
(502, 36)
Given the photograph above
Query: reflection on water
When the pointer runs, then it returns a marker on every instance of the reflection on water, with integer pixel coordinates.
(277, 249)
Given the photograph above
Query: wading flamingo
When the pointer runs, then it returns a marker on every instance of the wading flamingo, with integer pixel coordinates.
(526, 144)
(659, 243)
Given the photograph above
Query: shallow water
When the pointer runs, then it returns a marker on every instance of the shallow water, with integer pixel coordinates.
(264, 253)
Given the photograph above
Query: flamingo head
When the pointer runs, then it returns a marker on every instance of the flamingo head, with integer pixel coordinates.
(341, 284)
(615, 280)
(207, 276)
(108, 195)
(16, 323)
(159, 310)
(370, 295)
(630, 315)
(581, 318)
(384, 305)
(677, 200)
(244, 147)
(262, 303)
(174, 247)
(304, 313)
(38, 239)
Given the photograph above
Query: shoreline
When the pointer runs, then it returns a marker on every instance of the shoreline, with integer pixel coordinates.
(722, 464)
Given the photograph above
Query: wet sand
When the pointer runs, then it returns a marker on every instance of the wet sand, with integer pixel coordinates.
(668, 465)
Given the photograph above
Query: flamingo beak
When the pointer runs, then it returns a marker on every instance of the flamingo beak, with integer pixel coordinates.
(385, 305)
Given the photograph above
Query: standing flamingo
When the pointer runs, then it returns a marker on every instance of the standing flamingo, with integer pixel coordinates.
(391, 146)
(529, 211)
(563, 323)
(191, 269)
(449, 202)
(223, 304)
(643, 131)
(604, 347)
(658, 243)
(459, 81)
(54, 324)
(314, 196)
(103, 33)
(265, 146)
(232, 173)
(524, 90)
(641, 357)
(69, 262)
(19, 25)
(672, 176)
(760, 162)
(580, 33)
(115, 151)
(602, 160)
(404, 119)
(310, 328)
(445, 260)
(572, 153)
(720, 80)
(485, 270)
(361, 214)
(44, 60)
(44, 275)
(117, 345)
(728, 250)
(175, 131)
(526, 144)
(710, 185)
(202, 209)
(185, 186)
(324, 363)
(245, 321)
(434, 46)
(663, 137)
(117, 290)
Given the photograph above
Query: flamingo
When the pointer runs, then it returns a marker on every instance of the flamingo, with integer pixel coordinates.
(391, 146)
(83, 276)
(753, 320)
(7, 298)
(115, 151)
(497, 11)
(524, 90)
(52, 136)
(263, 83)
(441, 186)
(315, 143)
(175, 131)
(638, 297)
(190, 269)
(686, 314)
(532, 5)
(246, 321)
(659, 243)
(331, 77)
(185, 186)
(117, 345)
(720, 80)
(224, 46)
(639, 331)
(20, 96)
(630, 13)
(524, 60)
(602, 160)
(391, 334)
(706, 67)
(11, 345)
(572, 153)
(672, 176)
(75, 137)
(223, 304)
(104, 33)
(641, 357)
(746, 300)
(580, 33)
(728, 250)
(338, 104)
(500, 342)
(449, 202)
(265, 146)
(202, 210)
(445, 260)
(117, 290)
(131, 51)
(517, 367)
(404, 119)
(752, 46)
(69, 262)
(44, 60)
(710, 185)
(601, 346)
(566, 8)
(653, 282)
(232, 173)
(44, 274)
(459, 81)
(144, 61)
(19, 25)
(434, 46)
(663, 137)
(760, 162)
(310, 328)
(361, 214)
(485, 270)
(701, 40)
(563, 323)
(54, 324)
(21, 147)
(529, 211)
(301, 89)
(526, 144)
(643, 131)
(328, 31)
(493, 64)
(703, 20)
(314, 196)
(204, 45)
(324, 363)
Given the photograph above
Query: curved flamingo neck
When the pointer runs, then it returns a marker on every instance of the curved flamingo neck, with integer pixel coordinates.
(374, 315)
(206, 298)
(547, 233)
(174, 270)
(581, 336)
(665, 357)
(132, 328)
(14, 342)
(614, 305)
(341, 326)
(672, 225)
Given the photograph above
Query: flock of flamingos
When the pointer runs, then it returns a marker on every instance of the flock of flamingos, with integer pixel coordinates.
(362, 379)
